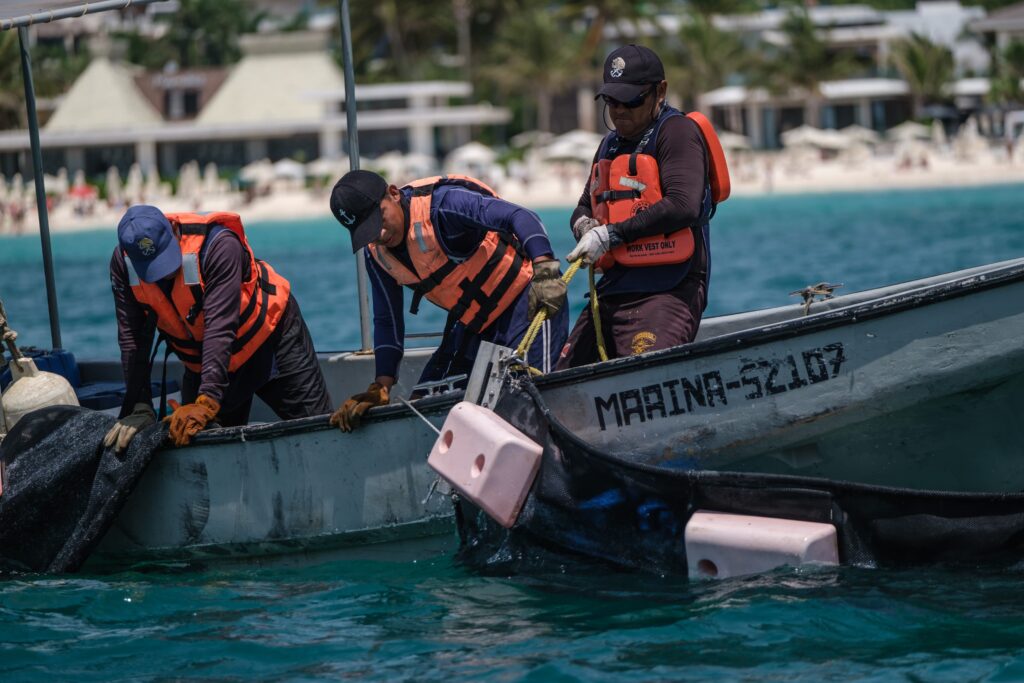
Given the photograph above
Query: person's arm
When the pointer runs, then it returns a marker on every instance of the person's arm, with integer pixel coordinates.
(388, 323)
(223, 271)
(583, 207)
(134, 337)
(683, 166)
(467, 216)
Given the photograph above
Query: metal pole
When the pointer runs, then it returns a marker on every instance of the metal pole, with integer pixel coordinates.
(37, 170)
(353, 160)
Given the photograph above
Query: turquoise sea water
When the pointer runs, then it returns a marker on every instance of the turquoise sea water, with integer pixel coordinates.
(401, 619)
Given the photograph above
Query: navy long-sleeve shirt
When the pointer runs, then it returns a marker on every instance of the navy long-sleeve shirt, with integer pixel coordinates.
(225, 265)
(461, 219)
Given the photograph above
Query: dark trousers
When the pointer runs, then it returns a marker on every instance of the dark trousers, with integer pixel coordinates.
(636, 323)
(284, 372)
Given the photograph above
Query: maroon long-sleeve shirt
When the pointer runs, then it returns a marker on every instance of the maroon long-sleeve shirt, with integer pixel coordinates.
(225, 266)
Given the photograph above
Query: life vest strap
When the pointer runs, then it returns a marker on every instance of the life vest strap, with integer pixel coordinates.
(424, 286)
(244, 339)
(472, 289)
(613, 195)
(194, 228)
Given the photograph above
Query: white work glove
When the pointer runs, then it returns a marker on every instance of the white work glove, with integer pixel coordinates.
(128, 426)
(583, 225)
(592, 245)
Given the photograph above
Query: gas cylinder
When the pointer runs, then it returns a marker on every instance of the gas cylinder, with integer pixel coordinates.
(33, 389)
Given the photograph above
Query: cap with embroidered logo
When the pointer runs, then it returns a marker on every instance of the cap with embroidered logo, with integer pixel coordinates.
(629, 72)
(145, 235)
(355, 203)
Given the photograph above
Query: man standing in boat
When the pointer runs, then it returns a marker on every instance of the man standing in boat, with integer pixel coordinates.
(643, 215)
(450, 239)
(229, 317)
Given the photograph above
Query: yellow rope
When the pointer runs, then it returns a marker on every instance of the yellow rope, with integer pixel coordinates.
(595, 314)
(542, 315)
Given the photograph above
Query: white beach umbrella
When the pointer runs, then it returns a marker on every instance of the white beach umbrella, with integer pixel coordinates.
(261, 171)
(909, 130)
(732, 140)
(800, 136)
(327, 168)
(289, 169)
(576, 145)
(211, 183)
(113, 185)
(939, 138)
(530, 138)
(470, 154)
(858, 133)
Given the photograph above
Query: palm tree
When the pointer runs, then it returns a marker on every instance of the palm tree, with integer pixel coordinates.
(927, 68)
(12, 99)
(803, 62)
(706, 58)
(1007, 75)
(533, 54)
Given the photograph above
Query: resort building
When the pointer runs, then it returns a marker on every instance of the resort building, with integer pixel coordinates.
(284, 99)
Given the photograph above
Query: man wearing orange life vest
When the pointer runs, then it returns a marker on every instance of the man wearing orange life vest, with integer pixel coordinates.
(229, 317)
(454, 242)
(643, 216)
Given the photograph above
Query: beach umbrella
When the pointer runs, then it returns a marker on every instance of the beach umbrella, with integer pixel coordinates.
(470, 154)
(133, 183)
(328, 168)
(113, 185)
(730, 140)
(261, 171)
(858, 133)
(801, 136)
(211, 182)
(530, 138)
(153, 187)
(576, 145)
(939, 138)
(909, 130)
(289, 169)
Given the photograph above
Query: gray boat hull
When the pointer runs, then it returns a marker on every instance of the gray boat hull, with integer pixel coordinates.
(915, 385)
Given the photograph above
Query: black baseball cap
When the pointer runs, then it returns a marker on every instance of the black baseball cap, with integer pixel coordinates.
(629, 72)
(355, 203)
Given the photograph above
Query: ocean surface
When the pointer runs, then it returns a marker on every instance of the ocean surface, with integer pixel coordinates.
(419, 616)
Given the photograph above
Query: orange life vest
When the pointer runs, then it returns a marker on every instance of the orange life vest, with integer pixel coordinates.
(180, 317)
(474, 291)
(622, 187)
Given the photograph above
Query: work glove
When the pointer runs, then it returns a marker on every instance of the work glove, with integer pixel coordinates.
(592, 246)
(547, 291)
(190, 419)
(125, 429)
(583, 225)
(350, 414)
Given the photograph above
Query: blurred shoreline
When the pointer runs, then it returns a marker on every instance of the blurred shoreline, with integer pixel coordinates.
(752, 174)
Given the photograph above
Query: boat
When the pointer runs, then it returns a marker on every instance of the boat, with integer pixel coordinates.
(894, 386)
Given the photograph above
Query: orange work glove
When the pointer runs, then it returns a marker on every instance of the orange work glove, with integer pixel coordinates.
(350, 414)
(191, 418)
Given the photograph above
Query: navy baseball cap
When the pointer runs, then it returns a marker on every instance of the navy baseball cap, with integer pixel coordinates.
(629, 72)
(355, 203)
(145, 235)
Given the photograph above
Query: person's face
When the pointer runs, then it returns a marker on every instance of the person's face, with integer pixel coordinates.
(631, 119)
(392, 227)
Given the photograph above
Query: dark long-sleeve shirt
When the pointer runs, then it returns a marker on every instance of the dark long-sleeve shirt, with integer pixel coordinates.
(683, 170)
(461, 218)
(225, 265)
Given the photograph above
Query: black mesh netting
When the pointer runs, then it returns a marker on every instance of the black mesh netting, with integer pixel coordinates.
(63, 489)
(588, 503)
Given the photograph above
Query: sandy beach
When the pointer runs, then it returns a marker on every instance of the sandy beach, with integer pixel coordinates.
(752, 174)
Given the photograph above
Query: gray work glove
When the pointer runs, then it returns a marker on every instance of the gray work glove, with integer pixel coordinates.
(128, 426)
(592, 246)
(547, 291)
(583, 225)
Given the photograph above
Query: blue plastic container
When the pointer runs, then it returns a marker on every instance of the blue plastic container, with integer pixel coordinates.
(58, 361)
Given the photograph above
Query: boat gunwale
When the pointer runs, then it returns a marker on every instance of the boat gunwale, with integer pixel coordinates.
(1002, 274)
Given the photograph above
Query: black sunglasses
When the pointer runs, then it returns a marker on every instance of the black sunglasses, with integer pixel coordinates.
(631, 104)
